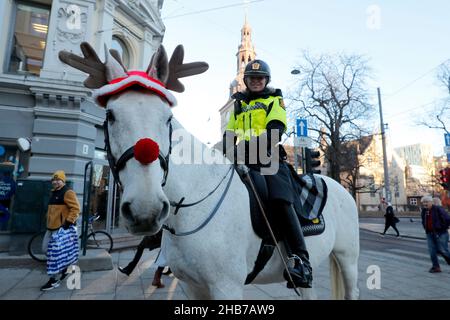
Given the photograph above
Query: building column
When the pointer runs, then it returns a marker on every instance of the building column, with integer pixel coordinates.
(63, 137)
(70, 24)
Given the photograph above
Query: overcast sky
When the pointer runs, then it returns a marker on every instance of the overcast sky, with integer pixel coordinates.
(405, 41)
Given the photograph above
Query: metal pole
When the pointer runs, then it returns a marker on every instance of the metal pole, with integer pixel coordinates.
(111, 196)
(295, 151)
(383, 141)
(86, 204)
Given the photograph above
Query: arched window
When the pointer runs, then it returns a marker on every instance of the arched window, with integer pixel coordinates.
(120, 46)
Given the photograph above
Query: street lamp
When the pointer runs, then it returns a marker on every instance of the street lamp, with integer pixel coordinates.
(295, 71)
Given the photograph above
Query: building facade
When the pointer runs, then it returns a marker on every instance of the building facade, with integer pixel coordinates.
(44, 101)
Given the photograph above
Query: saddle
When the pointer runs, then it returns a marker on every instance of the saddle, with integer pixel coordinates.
(310, 199)
(308, 205)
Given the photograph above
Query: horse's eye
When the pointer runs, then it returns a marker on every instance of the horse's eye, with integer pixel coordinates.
(110, 116)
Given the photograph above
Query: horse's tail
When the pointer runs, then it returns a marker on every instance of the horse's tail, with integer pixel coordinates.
(337, 280)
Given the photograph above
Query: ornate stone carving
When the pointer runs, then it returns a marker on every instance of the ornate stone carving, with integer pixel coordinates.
(71, 24)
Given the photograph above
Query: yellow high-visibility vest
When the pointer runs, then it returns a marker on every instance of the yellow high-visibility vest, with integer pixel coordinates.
(255, 115)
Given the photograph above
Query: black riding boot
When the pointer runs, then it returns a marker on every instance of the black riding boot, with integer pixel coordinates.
(301, 273)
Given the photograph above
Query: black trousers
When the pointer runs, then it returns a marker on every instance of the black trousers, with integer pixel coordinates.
(388, 224)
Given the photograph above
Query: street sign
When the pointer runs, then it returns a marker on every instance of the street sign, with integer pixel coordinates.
(302, 127)
(447, 145)
(447, 139)
(303, 142)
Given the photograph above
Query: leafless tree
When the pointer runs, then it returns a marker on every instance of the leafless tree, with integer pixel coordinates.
(353, 162)
(333, 94)
(440, 117)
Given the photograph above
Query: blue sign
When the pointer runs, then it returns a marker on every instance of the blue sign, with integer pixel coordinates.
(7, 187)
(302, 128)
(447, 139)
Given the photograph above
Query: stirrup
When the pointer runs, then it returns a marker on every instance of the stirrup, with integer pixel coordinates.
(295, 258)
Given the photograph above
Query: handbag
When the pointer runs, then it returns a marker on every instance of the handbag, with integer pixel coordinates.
(62, 250)
(396, 220)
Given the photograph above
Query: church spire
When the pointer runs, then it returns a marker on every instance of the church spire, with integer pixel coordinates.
(246, 53)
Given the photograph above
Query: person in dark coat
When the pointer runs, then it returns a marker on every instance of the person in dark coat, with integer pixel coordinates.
(390, 220)
(435, 221)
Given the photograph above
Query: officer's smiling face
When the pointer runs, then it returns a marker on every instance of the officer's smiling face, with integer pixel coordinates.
(256, 83)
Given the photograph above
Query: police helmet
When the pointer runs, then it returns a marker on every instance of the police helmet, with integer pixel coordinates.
(257, 68)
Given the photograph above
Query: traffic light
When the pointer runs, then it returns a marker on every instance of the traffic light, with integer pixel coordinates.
(445, 178)
(311, 160)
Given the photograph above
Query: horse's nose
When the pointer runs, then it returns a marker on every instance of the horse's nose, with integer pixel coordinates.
(126, 211)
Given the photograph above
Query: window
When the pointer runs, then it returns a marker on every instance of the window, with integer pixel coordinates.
(413, 201)
(120, 46)
(30, 39)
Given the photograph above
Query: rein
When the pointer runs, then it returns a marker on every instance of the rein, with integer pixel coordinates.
(213, 212)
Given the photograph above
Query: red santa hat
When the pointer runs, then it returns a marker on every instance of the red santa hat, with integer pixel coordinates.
(139, 78)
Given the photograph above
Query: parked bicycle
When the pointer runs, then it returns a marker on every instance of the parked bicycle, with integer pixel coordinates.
(96, 239)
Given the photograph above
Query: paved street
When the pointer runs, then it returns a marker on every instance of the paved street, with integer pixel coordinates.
(403, 262)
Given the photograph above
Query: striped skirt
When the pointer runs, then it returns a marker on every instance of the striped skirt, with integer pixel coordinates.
(62, 250)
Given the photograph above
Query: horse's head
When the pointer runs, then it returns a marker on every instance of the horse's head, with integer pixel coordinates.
(138, 127)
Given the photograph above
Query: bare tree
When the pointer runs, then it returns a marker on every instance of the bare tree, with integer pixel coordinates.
(440, 117)
(333, 94)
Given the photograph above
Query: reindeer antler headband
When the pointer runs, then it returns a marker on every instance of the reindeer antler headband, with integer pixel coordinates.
(111, 77)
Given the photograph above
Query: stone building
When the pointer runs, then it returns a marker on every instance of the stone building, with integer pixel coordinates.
(44, 101)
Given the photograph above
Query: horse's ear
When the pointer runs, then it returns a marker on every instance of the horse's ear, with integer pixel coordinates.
(159, 65)
(114, 69)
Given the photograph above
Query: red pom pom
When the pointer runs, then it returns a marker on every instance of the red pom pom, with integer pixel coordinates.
(146, 151)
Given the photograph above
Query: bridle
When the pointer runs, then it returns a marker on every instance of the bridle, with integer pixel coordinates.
(130, 153)
(117, 166)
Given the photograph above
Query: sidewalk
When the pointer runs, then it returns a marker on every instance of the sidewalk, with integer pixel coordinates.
(23, 281)
(408, 227)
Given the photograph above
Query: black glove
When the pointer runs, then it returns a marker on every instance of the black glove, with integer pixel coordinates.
(66, 225)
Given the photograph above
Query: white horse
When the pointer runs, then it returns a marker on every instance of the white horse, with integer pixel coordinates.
(213, 262)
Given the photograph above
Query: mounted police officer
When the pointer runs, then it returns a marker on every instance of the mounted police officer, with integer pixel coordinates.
(259, 115)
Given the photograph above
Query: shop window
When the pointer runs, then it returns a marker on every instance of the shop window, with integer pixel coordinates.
(120, 46)
(29, 38)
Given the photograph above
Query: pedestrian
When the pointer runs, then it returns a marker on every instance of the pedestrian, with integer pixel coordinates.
(259, 116)
(161, 263)
(435, 221)
(437, 202)
(390, 220)
(62, 214)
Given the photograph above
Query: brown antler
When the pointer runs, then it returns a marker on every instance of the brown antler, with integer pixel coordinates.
(91, 64)
(178, 69)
